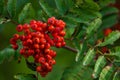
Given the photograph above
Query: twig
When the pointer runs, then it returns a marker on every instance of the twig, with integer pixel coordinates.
(70, 48)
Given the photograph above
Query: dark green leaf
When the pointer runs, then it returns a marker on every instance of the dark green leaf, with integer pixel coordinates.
(108, 10)
(25, 77)
(111, 38)
(100, 63)
(11, 7)
(107, 73)
(60, 4)
(104, 3)
(48, 9)
(89, 57)
(109, 21)
(88, 4)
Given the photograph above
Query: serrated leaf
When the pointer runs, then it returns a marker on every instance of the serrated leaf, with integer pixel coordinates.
(11, 7)
(94, 25)
(111, 38)
(89, 57)
(107, 73)
(100, 63)
(77, 72)
(116, 76)
(24, 12)
(25, 77)
(1, 6)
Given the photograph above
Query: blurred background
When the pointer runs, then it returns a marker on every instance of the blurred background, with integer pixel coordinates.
(9, 68)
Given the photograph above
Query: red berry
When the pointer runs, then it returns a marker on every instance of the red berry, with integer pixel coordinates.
(107, 31)
(38, 69)
(19, 28)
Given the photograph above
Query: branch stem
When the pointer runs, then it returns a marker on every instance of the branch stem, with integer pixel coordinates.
(70, 48)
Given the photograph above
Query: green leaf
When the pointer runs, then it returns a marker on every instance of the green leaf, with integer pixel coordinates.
(104, 3)
(48, 9)
(11, 7)
(89, 57)
(77, 72)
(88, 4)
(81, 50)
(24, 12)
(70, 22)
(107, 73)
(94, 25)
(1, 6)
(109, 21)
(6, 53)
(100, 63)
(60, 4)
(116, 76)
(111, 38)
(83, 15)
(25, 77)
(2, 56)
(109, 10)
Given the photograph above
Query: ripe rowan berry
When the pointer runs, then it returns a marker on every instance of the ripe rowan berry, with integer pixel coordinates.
(107, 31)
(37, 39)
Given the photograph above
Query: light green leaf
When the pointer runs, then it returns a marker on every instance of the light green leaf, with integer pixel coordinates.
(89, 57)
(1, 6)
(116, 76)
(24, 12)
(11, 7)
(106, 73)
(25, 77)
(111, 38)
(100, 63)
(94, 25)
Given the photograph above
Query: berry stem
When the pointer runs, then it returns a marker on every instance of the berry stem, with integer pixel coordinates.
(70, 48)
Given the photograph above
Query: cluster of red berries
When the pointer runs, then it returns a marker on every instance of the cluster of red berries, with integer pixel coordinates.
(37, 40)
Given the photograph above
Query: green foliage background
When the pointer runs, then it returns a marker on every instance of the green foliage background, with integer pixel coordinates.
(85, 19)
